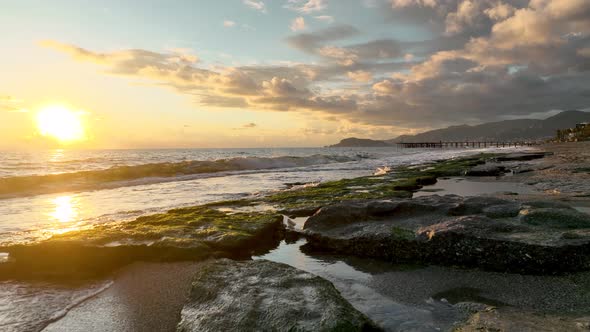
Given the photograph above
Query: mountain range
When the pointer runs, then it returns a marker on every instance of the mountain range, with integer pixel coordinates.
(500, 131)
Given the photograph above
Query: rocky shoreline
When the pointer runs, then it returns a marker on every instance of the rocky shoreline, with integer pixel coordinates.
(371, 217)
(536, 237)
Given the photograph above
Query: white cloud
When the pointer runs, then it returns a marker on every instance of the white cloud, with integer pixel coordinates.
(229, 23)
(298, 24)
(325, 18)
(410, 3)
(499, 11)
(255, 4)
(307, 6)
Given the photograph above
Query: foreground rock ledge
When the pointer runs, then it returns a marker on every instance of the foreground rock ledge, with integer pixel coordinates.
(261, 295)
(495, 234)
(194, 233)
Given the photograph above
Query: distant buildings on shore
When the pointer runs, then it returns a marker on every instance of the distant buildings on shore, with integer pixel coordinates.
(581, 132)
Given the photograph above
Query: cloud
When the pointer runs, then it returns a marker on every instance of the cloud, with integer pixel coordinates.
(307, 6)
(325, 18)
(499, 11)
(310, 42)
(298, 24)
(357, 53)
(467, 14)
(487, 60)
(246, 126)
(255, 4)
(360, 76)
(320, 43)
(229, 23)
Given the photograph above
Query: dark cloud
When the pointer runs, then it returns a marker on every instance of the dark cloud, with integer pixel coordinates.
(310, 42)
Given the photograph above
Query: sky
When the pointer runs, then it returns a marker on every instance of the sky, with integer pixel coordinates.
(279, 73)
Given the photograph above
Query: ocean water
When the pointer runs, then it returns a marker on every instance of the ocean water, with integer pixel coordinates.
(125, 184)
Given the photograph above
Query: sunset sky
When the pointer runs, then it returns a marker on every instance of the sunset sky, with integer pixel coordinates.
(249, 73)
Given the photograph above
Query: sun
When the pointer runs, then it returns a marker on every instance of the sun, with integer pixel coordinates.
(60, 123)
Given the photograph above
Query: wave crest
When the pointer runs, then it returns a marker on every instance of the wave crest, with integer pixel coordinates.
(85, 180)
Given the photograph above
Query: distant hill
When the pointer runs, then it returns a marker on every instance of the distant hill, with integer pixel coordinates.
(359, 142)
(508, 130)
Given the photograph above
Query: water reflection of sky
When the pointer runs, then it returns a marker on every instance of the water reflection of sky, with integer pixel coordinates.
(356, 286)
(407, 298)
(469, 187)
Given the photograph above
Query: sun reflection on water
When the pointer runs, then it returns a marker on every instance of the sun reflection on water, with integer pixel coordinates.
(64, 214)
(57, 155)
(65, 209)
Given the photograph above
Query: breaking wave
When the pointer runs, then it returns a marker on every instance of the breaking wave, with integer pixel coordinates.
(96, 179)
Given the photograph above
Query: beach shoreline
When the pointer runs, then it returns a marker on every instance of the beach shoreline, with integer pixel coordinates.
(139, 292)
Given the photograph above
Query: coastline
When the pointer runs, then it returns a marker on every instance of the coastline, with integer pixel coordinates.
(134, 302)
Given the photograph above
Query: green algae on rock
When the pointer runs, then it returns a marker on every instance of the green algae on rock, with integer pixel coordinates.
(400, 183)
(185, 227)
(192, 233)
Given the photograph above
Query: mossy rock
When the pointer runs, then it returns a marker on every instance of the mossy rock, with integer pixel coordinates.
(556, 218)
(261, 295)
(194, 233)
(399, 233)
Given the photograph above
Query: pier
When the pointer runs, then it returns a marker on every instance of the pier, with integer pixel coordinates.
(466, 144)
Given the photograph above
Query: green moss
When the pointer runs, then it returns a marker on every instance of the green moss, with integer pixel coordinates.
(402, 233)
(399, 183)
(180, 227)
(336, 191)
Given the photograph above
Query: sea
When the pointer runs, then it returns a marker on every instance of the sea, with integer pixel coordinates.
(155, 180)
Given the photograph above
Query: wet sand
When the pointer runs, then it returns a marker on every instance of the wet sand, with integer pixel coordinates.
(143, 297)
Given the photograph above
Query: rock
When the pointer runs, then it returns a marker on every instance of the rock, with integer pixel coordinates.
(517, 319)
(522, 156)
(194, 233)
(266, 296)
(502, 211)
(486, 170)
(486, 232)
(547, 204)
(507, 193)
(556, 218)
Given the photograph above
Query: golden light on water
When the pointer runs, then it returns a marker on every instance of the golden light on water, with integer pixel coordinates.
(60, 123)
(65, 210)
